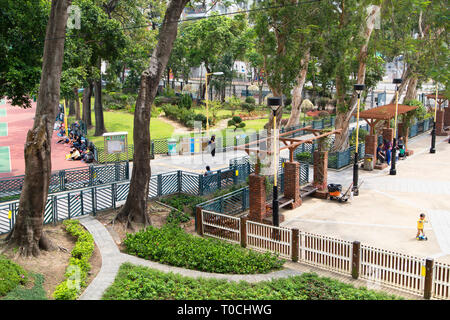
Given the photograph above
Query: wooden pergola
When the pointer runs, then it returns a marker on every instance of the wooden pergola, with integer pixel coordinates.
(382, 113)
(440, 99)
(289, 143)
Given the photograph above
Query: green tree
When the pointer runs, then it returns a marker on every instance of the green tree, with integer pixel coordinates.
(135, 207)
(22, 34)
(27, 233)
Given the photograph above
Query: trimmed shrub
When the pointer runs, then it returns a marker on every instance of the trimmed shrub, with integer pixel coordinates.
(142, 283)
(173, 246)
(11, 275)
(250, 100)
(185, 101)
(249, 107)
(80, 255)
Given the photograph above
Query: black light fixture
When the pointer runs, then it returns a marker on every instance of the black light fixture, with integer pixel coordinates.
(433, 132)
(358, 88)
(274, 103)
(393, 170)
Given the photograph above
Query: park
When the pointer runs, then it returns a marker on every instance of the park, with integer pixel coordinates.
(224, 150)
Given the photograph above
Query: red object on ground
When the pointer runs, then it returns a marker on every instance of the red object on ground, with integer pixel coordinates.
(19, 122)
(313, 113)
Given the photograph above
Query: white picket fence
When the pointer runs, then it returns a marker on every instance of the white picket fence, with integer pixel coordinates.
(441, 281)
(262, 237)
(325, 252)
(377, 266)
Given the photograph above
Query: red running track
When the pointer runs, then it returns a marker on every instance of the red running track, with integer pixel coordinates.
(19, 122)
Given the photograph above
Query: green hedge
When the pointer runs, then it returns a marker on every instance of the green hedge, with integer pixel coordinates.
(80, 255)
(37, 292)
(142, 283)
(11, 275)
(173, 246)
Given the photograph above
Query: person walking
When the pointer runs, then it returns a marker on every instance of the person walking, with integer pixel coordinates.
(212, 145)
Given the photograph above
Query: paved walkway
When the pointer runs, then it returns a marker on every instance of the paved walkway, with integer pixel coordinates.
(384, 215)
(112, 259)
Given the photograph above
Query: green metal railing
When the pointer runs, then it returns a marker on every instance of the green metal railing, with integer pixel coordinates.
(71, 179)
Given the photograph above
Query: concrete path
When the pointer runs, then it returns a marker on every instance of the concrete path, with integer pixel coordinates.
(384, 215)
(112, 259)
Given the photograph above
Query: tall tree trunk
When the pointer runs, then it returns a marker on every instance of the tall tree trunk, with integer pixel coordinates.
(406, 76)
(135, 208)
(294, 119)
(87, 93)
(71, 107)
(27, 233)
(412, 89)
(341, 141)
(98, 107)
(77, 104)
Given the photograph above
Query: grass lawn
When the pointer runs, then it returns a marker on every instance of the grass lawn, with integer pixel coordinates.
(142, 283)
(123, 121)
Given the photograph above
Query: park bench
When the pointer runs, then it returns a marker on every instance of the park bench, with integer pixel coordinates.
(307, 190)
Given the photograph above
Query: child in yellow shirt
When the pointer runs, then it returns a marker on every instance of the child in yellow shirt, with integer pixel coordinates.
(420, 224)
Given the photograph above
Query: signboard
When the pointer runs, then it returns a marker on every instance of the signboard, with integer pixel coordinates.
(115, 142)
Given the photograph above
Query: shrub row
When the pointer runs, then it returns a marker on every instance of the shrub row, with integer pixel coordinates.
(141, 283)
(79, 266)
(173, 246)
(11, 275)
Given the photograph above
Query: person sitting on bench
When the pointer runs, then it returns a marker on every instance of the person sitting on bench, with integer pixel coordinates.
(401, 148)
(381, 156)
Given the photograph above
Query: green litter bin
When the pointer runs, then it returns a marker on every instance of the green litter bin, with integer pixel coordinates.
(172, 146)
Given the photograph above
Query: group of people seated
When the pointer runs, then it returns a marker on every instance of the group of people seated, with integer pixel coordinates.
(80, 148)
(384, 150)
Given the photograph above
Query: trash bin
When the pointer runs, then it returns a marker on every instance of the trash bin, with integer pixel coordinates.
(172, 147)
(368, 162)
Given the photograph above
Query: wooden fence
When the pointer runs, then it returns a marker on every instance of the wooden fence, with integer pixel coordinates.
(408, 273)
(391, 268)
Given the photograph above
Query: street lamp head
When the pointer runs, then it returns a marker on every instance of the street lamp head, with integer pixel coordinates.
(397, 81)
(274, 103)
(218, 73)
(358, 87)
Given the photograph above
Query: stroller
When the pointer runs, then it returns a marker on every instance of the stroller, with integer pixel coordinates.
(334, 191)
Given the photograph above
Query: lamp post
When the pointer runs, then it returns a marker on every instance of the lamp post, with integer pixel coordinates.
(393, 171)
(207, 98)
(433, 132)
(358, 88)
(274, 103)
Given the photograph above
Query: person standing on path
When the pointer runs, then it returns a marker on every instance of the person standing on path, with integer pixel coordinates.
(212, 145)
(387, 151)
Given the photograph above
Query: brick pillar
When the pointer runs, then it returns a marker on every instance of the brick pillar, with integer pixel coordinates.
(371, 146)
(257, 192)
(446, 116)
(292, 183)
(388, 134)
(440, 123)
(320, 170)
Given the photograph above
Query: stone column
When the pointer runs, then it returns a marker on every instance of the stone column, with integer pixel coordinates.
(257, 192)
(440, 123)
(320, 170)
(292, 183)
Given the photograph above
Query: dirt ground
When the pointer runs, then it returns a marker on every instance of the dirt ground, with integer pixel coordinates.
(52, 264)
(157, 214)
